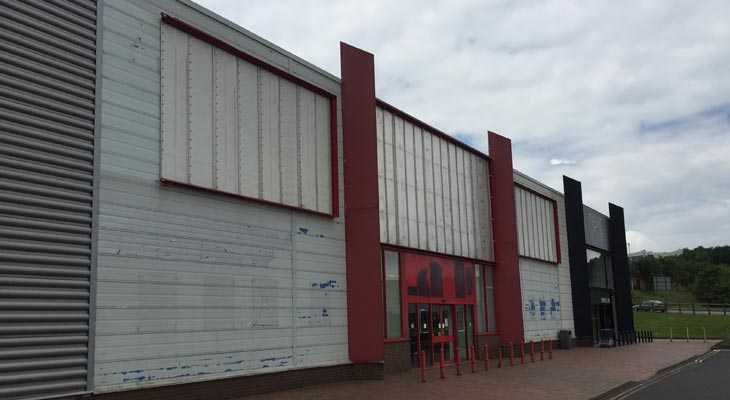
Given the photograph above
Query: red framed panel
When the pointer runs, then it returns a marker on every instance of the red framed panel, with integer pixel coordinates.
(204, 36)
(406, 249)
(430, 128)
(555, 223)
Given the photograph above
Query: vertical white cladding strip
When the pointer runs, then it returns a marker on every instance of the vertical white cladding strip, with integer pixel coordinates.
(382, 199)
(454, 193)
(447, 194)
(486, 207)
(401, 199)
(520, 221)
(307, 128)
(200, 88)
(420, 189)
(390, 206)
(478, 190)
(428, 164)
(289, 147)
(550, 230)
(410, 164)
(465, 247)
(248, 130)
(324, 154)
(443, 240)
(469, 203)
(175, 140)
(226, 121)
(269, 135)
(541, 300)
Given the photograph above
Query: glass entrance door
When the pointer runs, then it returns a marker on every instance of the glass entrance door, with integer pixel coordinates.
(464, 329)
(432, 327)
(442, 327)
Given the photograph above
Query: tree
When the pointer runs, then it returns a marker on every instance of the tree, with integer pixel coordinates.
(713, 284)
(646, 268)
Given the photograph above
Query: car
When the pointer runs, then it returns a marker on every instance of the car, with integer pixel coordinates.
(651, 305)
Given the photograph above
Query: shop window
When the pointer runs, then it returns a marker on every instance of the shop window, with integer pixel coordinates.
(486, 315)
(391, 272)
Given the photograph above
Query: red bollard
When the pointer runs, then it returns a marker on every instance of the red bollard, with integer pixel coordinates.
(550, 349)
(499, 356)
(522, 351)
(486, 357)
(423, 367)
(473, 359)
(511, 355)
(542, 350)
(457, 353)
(441, 363)
(532, 351)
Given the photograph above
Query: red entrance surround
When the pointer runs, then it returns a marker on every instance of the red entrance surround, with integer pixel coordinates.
(362, 230)
(507, 294)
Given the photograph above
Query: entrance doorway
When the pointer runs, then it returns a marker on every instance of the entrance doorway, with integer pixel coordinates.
(602, 316)
(433, 327)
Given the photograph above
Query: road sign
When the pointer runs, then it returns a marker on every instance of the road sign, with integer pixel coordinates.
(662, 283)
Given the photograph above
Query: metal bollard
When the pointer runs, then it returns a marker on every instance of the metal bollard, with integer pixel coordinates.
(424, 377)
(473, 357)
(686, 328)
(618, 339)
(522, 351)
(671, 336)
(542, 350)
(442, 370)
(457, 354)
(511, 355)
(550, 349)
(499, 356)
(651, 336)
(532, 351)
(704, 335)
(486, 357)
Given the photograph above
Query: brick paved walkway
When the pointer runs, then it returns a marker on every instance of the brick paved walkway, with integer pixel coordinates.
(579, 373)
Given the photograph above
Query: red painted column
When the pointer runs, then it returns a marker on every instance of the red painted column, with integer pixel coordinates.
(508, 299)
(362, 230)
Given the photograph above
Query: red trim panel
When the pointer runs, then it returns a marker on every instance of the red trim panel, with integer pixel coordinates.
(395, 247)
(555, 222)
(430, 128)
(185, 27)
(365, 312)
(165, 181)
(507, 294)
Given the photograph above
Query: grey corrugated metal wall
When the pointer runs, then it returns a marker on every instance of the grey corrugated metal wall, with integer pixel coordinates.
(47, 96)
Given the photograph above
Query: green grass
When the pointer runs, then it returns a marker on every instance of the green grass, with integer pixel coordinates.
(671, 296)
(660, 323)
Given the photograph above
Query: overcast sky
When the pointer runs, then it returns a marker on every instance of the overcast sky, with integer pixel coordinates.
(632, 98)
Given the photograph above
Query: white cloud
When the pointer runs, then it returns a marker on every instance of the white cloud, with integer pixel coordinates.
(637, 241)
(560, 161)
(638, 91)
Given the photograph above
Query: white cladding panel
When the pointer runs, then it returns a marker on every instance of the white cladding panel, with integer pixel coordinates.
(194, 285)
(562, 268)
(535, 226)
(541, 303)
(232, 126)
(433, 194)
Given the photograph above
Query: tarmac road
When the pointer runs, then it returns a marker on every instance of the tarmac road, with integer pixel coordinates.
(705, 380)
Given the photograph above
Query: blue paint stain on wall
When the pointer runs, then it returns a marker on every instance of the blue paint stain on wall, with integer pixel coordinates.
(543, 306)
(324, 313)
(330, 284)
(303, 231)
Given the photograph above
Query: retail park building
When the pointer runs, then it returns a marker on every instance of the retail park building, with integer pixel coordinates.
(189, 211)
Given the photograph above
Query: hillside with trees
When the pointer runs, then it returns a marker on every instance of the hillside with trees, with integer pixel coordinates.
(703, 270)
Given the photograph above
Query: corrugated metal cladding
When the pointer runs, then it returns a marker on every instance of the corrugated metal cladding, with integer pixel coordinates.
(47, 94)
(535, 226)
(194, 285)
(434, 195)
(230, 125)
(544, 280)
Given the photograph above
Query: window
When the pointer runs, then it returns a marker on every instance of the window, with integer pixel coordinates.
(391, 272)
(600, 269)
(486, 321)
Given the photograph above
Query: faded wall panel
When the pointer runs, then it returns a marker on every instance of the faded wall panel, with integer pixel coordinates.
(235, 127)
(535, 226)
(541, 300)
(195, 285)
(434, 195)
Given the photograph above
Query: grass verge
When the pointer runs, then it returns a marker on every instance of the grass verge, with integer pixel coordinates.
(717, 326)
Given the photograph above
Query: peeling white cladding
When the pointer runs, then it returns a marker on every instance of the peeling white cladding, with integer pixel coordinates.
(535, 226)
(540, 299)
(194, 285)
(596, 229)
(232, 126)
(550, 274)
(433, 194)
